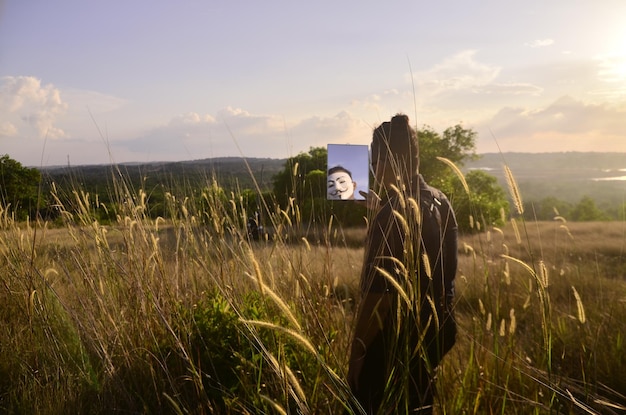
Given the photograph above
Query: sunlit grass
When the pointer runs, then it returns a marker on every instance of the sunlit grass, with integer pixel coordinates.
(187, 315)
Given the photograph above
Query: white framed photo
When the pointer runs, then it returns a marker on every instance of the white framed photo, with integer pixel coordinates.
(348, 171)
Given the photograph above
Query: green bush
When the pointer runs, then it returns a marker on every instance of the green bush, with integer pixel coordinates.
(222, 362)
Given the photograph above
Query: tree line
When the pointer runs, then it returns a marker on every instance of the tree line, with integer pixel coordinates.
(299, 187)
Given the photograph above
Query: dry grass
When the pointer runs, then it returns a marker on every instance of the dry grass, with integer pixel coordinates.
(109, 318)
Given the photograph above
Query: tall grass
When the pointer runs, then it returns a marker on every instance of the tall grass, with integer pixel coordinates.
(186, 314)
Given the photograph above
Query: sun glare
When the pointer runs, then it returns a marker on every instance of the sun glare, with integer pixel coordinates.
(619, 68)
(617, 59)
(612, 69)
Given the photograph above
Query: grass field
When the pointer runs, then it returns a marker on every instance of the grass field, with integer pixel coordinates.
(189, 316)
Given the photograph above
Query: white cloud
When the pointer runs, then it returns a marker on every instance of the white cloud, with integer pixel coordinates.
(539, 43)
(193, 135)
(24, 103)
(461, 88)
(342, 128)
(7, 129)
(96, 102)
(512, 88)
(191, 119)
(567, 123)
(457, 72)
(234, 131)
(241, 122)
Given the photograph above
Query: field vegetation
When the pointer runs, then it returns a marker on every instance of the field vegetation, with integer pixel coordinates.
(141, 314)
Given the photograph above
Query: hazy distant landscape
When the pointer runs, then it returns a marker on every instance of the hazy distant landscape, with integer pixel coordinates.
(567, 176)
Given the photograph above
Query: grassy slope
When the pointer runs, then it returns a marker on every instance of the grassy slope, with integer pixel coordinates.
(107, 319)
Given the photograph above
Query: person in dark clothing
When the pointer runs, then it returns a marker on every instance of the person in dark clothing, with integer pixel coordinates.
(255, 228)
(405, 323)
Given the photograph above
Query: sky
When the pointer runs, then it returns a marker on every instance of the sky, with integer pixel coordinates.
(98, 82)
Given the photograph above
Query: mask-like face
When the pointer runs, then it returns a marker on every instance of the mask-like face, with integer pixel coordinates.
(340, 186)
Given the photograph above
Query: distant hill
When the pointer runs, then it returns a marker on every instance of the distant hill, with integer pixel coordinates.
(230, 172)
(566, 176)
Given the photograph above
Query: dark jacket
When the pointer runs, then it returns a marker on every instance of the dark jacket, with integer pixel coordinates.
(417, 231)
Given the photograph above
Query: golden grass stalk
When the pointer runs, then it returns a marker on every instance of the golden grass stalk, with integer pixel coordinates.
(456, 171)
(518, 237)
(543, 274)
(433, 307)
(395, 284)
(522, 263)
(285, 214)
(174, 404)
(267, 291)
(419, 349)
(426, 261)
(285, 372)
(579, 405)
(400, 196)
(402, 221)
(415, 209)
(306, 243)
(579, 307)
(566, 229)
(279, 409)
(291, 333)
(513, 325)
(514, 190)
(257, 271)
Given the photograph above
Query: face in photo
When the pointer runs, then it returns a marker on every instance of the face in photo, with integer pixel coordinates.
(340, 184)
(348, 172)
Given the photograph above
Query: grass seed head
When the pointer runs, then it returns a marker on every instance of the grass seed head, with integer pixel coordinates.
(514, 190)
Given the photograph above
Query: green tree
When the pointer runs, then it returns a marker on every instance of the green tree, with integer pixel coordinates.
(290, 182)
(485, 202)
(316, 183)
(547, 209)
(587, 211)
(19, 187)
(303, 180)
(456, 144)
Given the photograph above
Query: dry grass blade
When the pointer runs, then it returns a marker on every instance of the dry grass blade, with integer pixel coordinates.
(395, 284)
(514, 190)
(402, 221)
(291, 333)
(579, 307)
(267, 291)
(279, 409)
(522, 263)
(285, 372)
(580, 404)
(457, 172)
